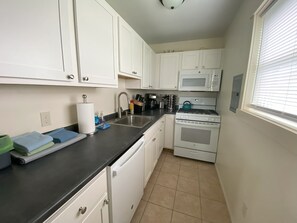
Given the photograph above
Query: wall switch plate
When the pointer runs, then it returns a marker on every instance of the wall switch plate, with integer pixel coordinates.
(45, 119)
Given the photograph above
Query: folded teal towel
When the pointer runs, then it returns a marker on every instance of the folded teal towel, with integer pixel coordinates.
(5, 144)
(62, 135)
(31, 141)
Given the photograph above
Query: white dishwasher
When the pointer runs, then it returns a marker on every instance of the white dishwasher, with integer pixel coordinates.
(125, 181)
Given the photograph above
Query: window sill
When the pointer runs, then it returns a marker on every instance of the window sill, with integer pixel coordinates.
(272, 119)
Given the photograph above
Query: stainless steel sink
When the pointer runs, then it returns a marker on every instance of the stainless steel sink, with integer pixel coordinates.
(136, 121)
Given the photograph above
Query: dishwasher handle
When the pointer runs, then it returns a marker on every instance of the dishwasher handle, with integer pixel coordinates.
(117, 169)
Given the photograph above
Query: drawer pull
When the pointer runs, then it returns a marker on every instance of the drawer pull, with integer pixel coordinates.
(70, 76)
(82, 210)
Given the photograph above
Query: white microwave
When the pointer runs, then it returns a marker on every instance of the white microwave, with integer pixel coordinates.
(200, 80)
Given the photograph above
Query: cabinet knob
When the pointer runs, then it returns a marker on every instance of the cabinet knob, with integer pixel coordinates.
(85, 79)
(105, 202)
(154, 139)
(70, 76)
(134, 72)
(196, 67)
(82, 210)
(175, 86)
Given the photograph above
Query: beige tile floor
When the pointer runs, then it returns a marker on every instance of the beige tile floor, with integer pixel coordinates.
(182, 190)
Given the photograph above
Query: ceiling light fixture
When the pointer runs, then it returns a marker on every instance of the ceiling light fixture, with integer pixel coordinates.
(171, 4)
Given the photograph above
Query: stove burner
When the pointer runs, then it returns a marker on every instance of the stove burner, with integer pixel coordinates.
(198, 111)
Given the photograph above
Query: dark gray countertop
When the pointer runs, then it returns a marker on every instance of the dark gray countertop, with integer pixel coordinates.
(32, 192)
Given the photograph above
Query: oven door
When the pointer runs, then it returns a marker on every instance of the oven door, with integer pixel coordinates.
(196, 135)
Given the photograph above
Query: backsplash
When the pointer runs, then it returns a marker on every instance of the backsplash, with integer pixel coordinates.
(21, 105)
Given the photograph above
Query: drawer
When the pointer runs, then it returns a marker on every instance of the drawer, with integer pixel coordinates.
(86, 199)
(153, 129)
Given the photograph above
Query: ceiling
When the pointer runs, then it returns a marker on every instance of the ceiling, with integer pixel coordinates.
(194, 19)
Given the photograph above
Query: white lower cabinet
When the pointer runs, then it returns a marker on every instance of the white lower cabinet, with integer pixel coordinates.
(89, 205)
(154, 141)
(169, 131)
(160, 136)
(149, 154)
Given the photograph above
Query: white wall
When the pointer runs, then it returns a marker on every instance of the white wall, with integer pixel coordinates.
(257, 161)
(211, 43)
(21, 105)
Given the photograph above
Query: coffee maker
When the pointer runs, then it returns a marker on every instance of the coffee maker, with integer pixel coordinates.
(151, 101)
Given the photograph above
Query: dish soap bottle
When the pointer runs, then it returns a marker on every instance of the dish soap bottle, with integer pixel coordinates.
(131, 107)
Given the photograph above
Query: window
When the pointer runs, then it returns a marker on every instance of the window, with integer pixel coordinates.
(272, 72)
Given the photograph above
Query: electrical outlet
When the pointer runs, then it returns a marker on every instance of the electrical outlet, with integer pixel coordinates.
(45, 119)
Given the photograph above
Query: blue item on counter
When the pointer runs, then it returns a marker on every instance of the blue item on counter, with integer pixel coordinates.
(31, 141)
(27, 159)
(62, 135)
(103, 126)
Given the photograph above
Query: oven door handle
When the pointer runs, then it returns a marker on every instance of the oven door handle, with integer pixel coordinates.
(198, 124)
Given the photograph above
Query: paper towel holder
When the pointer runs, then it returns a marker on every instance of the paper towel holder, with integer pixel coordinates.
(85, 116)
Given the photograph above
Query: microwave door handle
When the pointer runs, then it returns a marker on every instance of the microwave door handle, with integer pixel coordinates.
(209, 81)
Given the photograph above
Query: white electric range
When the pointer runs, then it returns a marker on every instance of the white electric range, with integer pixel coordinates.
(197, 129)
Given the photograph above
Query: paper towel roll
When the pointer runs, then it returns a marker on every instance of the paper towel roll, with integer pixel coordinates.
(85, 118)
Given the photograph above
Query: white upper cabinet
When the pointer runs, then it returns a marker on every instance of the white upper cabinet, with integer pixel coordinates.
(96, 34)
(35, 40)
(169, 67)
(201, 59)
(130, 50)
(149, 67)
(147, 61)
(137, 55)
(211, 59)
(190, 60)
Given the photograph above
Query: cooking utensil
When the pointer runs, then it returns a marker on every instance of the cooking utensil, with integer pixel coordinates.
(187, 105)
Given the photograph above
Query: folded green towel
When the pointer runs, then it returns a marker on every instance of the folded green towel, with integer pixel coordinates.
(38, 150)
(6, 144)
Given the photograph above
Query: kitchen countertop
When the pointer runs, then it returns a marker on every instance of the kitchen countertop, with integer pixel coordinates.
(32, 192)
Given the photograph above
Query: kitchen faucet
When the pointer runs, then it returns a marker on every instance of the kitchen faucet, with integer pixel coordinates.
(119, 103)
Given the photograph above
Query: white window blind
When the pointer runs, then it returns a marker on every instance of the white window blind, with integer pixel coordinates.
(276, 75)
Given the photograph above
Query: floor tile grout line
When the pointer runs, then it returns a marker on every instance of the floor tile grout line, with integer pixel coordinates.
(199, 183)
(174, 201)
(187, 214)
(143, 212)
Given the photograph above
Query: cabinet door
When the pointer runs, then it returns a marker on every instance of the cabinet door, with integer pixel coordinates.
(137, 56)
(85, 203)
(150, 148)
(155, 80)
(161, 135)
(190, 60)
(35, 40)
(169, 131)
(169, 65)
(211, 59)
(147, 60)
(125, 47)
(100, 212)
(96, 41)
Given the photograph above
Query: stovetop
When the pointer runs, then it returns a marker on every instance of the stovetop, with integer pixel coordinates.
(198, 111)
